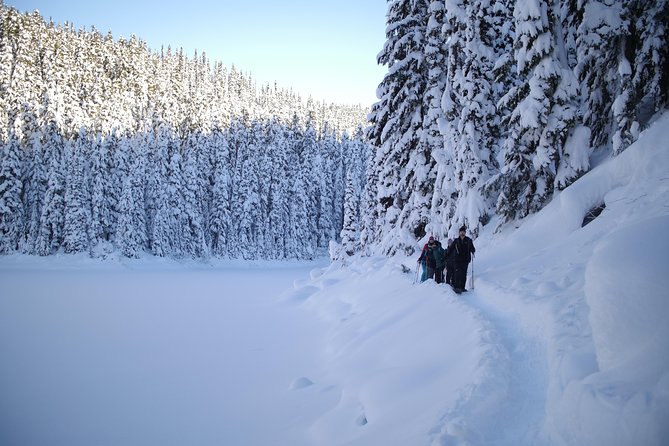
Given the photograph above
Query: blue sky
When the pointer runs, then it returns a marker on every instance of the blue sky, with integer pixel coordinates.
(323, 48)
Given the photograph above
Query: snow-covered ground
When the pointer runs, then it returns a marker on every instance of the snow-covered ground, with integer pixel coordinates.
(562, 340)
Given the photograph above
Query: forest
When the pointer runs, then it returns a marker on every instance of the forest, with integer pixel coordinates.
(110, 147)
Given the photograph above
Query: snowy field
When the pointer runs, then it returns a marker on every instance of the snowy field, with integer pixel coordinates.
(562, 340)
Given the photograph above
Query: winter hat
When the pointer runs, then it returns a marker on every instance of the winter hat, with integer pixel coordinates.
(431, 238)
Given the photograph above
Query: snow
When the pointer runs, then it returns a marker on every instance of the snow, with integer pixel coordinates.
(561, 341)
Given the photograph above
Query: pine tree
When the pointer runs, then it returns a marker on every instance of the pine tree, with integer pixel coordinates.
(432, 140)
(77, 203)
(543, 117)
(643, 62)
(35, 184)
(598, 55)
(220, 215)
(132, 228)
(103, 193)
(651, 75)
(350, 229)
(328, 164)
(11, 190)
(403, 172)
(279, 193)
(193, 198)
(166, 238)
(473, 90)
(50, 232)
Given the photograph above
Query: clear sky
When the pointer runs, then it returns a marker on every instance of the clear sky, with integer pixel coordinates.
(323, 48)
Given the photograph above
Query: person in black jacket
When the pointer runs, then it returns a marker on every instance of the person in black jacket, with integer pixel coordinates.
(450, 262)
(463, 248)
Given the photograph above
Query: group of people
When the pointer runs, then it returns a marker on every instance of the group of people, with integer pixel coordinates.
(454, 260)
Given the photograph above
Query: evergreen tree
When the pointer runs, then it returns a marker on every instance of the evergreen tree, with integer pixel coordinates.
(77, 203)
(166, 238)
(279, 192)
(193, 198)
(432, 141)
(598, 55)
(350, 229)
(326, 182)
(103, 193)
(50, 232)
(473, 91)
(403, 172)
(543, 117)
(220, 215)
(132, 228)
(651, 75)
(11, 191)
(35, 184)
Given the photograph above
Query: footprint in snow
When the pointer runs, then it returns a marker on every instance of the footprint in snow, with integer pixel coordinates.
(520, 282)
(301, 383)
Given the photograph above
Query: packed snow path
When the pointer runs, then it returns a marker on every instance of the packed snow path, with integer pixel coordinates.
(522, 398)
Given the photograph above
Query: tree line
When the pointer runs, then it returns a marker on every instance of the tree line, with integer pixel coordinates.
(108, 147)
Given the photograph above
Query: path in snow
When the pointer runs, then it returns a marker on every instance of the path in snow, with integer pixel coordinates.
(519, 416)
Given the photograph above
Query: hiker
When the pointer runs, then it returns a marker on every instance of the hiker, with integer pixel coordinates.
(463, 248)
(449, 258)
(429, 259)
(439, 259)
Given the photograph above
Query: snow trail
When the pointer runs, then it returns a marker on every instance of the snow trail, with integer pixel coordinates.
(520, 413)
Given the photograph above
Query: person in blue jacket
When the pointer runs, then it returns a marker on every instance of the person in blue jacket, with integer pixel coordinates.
(432, 258)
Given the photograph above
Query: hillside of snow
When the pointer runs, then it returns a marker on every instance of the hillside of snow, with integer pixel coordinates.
(561, 340)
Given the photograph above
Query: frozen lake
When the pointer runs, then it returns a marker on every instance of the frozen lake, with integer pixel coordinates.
(154, 357)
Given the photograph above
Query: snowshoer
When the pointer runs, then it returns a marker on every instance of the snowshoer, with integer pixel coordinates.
(463, 248)
(439, 256)
(432, 257)
(449, 258)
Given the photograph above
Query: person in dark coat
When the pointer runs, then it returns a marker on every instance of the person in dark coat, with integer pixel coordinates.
(463, 248)
(439, 260)
(449, 257)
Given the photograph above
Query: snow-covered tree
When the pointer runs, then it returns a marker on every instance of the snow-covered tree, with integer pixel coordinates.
(544, 114)
(350, 229)
(11, 191)
(77, 202)
(168, 221)
(103, 194)
(598, 60)
(220, 212)
(49, 235)
(132, 228)
(193, 199)
(277, 239)
(404, 187)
